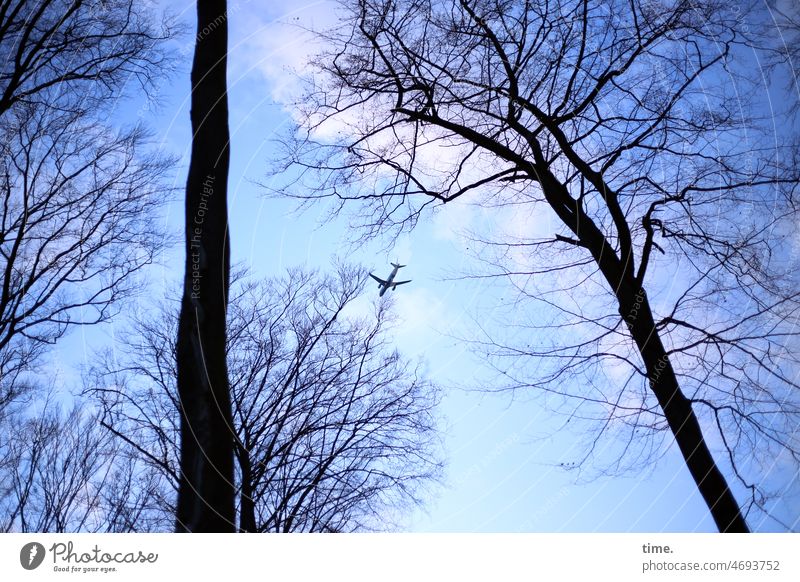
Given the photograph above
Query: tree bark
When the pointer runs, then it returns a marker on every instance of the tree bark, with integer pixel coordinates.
(635, 310)
(206, 491)
(247, 510)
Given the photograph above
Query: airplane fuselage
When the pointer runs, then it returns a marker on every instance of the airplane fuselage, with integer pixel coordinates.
(389, 281)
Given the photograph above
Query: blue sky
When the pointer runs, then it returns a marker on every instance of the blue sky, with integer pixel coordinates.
(506, 457)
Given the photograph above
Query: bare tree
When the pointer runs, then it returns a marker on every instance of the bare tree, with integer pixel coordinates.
(206, 494)
(623, 124)
(335, 431)
(62, 473)
(75, 227)
(78, 224)
(77, 221)
(77, 52)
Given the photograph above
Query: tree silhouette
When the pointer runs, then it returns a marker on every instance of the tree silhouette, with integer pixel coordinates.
(77, 53)
(77, 217)
(206, 493)
(643, 209)
(60, 472)
(77, 227)
(334, 430)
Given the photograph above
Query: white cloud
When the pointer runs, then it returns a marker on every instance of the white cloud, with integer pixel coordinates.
(279, 46)
(421, 318)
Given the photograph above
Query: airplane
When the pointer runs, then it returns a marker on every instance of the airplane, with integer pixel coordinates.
(389, 282)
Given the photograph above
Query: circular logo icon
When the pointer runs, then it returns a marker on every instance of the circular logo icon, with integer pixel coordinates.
(31, 555)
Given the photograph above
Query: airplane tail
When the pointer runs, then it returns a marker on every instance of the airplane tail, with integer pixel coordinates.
(397, 266)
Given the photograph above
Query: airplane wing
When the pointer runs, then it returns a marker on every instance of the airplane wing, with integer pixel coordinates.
(381, 281)
(401, 282)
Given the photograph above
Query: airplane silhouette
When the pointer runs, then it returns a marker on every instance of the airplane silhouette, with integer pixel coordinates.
(389, 282)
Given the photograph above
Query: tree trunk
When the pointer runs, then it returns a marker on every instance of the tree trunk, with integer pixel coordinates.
(206, 491)
(636, 311)
(247, 511)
